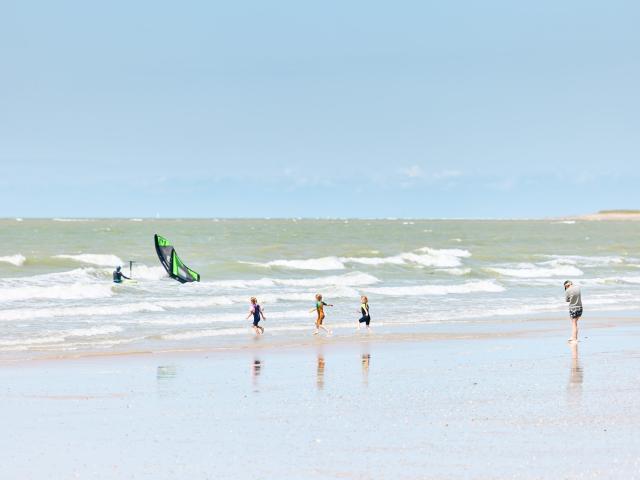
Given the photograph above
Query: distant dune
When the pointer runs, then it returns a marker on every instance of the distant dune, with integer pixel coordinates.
(633, 215)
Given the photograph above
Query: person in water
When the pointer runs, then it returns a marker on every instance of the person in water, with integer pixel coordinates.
(319, 308)
(258, 314)
(118, 275)
(573, 295)
(365, 317)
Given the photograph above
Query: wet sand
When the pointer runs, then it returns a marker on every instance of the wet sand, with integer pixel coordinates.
(514, 402)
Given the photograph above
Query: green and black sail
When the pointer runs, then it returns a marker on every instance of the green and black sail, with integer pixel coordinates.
(172, 263)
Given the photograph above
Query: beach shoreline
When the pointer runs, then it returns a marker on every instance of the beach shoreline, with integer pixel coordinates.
(395, 332)
(496, 406)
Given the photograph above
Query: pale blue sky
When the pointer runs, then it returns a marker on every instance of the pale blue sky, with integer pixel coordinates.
(372, 109)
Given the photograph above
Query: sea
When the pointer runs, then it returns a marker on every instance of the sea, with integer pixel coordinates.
(57, 296)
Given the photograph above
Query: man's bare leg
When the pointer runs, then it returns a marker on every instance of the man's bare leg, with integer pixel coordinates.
(574, 329)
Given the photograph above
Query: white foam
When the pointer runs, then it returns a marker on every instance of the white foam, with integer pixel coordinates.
(455, 271)
(530, 270)
(238, 317)
(487, 286)
(25, 342)
(324, 263)
(94, 259)
(143, 272)
(18, 219)
(588, 261)
(427, 257)
(374, 261)
(204, 333)
(73, 291)
(92, 331)
(17, 260)
(633, 279)
(97, 310)
(349, 279)
(77, 275)
(309, 296)
(232, 284)
(198, 302)
(195, 334)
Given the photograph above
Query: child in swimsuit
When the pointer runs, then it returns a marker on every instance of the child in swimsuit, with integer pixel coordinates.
(364, 312)
(319, 308)
(256, 311)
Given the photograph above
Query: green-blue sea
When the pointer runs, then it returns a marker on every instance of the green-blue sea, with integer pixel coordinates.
(57, 295)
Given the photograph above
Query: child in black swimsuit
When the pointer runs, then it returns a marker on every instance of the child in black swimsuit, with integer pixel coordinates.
(364, 312)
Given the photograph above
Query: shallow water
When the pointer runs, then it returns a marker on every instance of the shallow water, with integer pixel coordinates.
(526, 408)
(56, 293)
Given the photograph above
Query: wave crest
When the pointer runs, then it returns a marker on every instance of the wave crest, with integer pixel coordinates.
(101, 260)
(424, 257)
(486, 286)
(530, 270)
(16, 260)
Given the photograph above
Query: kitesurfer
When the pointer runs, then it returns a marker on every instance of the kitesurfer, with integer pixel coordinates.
(118, 275)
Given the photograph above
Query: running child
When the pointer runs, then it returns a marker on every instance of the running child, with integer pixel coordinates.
(256, 311)
(364, 312)
(319, 308)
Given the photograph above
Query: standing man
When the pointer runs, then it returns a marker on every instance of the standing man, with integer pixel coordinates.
(573, 296)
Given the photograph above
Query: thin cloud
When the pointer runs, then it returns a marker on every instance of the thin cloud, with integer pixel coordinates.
(414, 171)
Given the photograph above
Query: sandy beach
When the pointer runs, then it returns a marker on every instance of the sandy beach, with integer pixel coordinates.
(510, 401)
(614, 215)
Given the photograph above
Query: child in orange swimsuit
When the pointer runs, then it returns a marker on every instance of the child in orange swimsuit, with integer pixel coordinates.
(319, 308)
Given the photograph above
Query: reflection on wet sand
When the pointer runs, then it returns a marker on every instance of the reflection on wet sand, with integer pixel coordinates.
(366, 360)
(165, 374)
(256, 368)
(576, 377)
(320, 372)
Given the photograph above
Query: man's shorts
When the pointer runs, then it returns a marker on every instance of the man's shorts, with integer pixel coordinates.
(575, 312)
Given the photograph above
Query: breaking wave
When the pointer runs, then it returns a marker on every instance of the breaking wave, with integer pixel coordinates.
(16, 260)
(425, 257)
(94, 259)
(352, 279)
(74, 291)
(486, 286)
(530, 270)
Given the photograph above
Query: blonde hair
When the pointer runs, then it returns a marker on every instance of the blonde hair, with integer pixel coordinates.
(364, 297)
(318, 296)
(254, 300)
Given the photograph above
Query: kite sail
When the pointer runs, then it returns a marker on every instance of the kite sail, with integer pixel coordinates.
(172, 263)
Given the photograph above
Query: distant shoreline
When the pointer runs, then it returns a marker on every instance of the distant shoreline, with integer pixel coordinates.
(628, 215)
(618, 215)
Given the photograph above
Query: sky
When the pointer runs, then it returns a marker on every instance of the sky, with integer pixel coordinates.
(457, 109)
